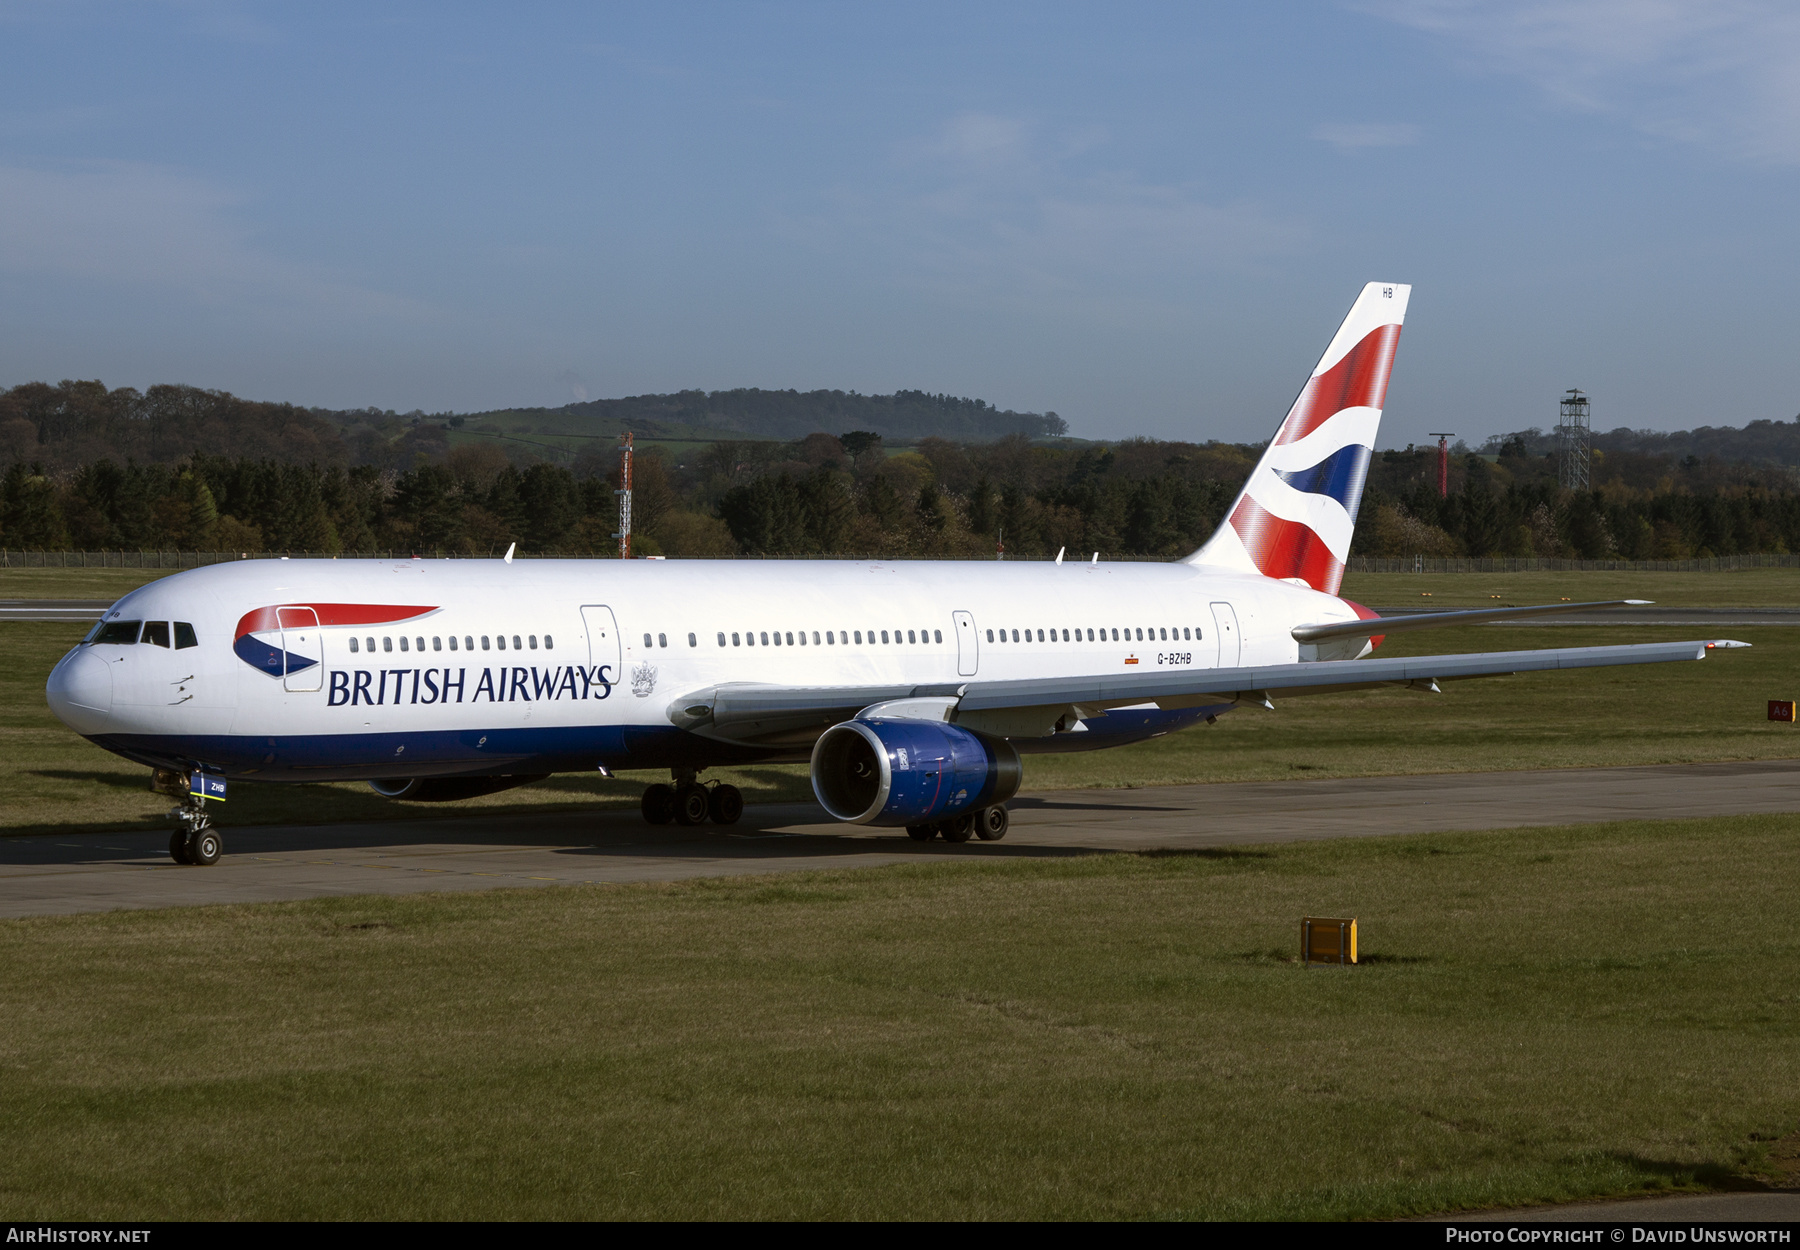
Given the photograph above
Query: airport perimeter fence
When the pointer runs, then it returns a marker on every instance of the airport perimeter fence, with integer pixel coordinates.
(197, 559)
(1358, 564)
(1497, 564)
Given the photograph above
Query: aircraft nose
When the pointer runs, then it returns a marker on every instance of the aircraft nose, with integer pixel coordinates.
(80, 691)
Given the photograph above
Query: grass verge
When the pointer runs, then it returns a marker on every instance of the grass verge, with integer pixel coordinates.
(1545, 1014)
(53, 781)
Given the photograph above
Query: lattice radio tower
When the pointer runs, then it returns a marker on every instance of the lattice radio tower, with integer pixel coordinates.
(1573, 430)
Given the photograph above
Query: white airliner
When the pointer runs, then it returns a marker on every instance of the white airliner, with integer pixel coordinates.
(912, 688)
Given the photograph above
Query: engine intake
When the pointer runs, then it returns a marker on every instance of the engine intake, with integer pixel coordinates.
(909, 772)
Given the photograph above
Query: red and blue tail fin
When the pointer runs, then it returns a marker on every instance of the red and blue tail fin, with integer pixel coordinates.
(1296, 514)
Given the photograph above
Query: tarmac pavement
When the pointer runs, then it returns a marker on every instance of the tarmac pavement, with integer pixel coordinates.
(84, 872)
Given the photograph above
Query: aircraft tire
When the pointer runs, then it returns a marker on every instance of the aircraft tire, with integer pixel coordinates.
(204, 847)
(691, 803)
(658, 805)
(178, 847)
(991, 823)
(921, 833)
(725, 805)
(957, 828)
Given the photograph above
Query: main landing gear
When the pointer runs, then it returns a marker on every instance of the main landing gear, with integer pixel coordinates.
(688, 802)
(987, 823)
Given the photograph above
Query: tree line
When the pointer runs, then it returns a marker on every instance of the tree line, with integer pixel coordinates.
(93, 469)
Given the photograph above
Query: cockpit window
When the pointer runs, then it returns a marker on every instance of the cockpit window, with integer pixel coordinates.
(184, 636)
(119, 632)
(156, 633)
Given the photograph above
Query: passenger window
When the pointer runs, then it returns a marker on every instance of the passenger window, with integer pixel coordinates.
(484, 642)
(734, 640)
(1015, 635)
(516, 642)
(437, 644)
(121, 632)
(184, 636)
(937, 635)
(859, 637)
(815, 637)
(387, 644)
(369, 645)
(646, 640)
(156, 633)
(353, 646)
(500, 642)
(403, 642)
(790, 640)
(420, 644)
(549, 643)
(830, 639)
(990, 634)
(692, 641)
(884, 635)
(533, 640)
(1184, 632)
(778, 638)
(911, 637)
(1115, 636)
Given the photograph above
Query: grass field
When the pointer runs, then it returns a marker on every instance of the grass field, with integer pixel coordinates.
(51, 780)
(1544, 1014)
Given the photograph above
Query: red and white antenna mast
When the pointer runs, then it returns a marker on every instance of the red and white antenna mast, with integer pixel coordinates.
(1443, 464)
(624, 494)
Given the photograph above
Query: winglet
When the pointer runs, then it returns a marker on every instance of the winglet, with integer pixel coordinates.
(510, 548)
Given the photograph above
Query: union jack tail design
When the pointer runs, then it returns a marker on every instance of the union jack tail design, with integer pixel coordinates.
(1295, 516)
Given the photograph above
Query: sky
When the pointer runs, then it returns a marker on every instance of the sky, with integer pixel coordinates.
(1148, 218)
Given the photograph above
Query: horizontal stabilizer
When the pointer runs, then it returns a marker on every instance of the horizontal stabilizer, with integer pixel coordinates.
(1378, 625)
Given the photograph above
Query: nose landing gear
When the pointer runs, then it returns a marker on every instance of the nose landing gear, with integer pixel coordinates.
(195, 841)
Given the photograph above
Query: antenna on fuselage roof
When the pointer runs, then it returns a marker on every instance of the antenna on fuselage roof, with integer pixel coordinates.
(510, 548)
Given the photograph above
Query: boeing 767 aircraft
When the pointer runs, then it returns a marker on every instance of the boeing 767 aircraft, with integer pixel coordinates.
(912, 688)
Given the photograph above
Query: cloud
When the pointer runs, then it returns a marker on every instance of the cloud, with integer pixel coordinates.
(1720, 73)
(131, 224)
(1349, 136)
(988, 203)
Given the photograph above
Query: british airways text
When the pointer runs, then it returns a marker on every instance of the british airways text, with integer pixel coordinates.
(497, 685)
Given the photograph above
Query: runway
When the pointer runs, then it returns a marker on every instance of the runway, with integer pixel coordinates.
(68, 873)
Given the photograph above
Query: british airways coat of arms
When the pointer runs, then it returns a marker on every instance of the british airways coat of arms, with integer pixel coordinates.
(643, 680)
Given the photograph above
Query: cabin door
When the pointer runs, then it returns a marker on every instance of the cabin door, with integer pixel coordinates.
(603, 643)
(968, 651)
(303, 654)
(1230, 647)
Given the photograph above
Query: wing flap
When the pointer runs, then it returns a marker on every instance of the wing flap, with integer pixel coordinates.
(1311, 676)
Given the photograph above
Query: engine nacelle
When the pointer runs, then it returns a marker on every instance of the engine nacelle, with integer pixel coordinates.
(447, 789)
(910, 772)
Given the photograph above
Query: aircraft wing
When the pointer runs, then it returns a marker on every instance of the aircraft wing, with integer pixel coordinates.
(1033, 707)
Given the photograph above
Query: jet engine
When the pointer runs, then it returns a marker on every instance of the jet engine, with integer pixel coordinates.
(447, 789)
(910, 772)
